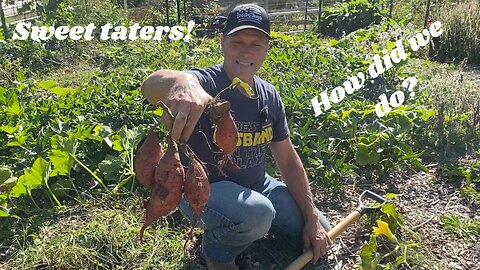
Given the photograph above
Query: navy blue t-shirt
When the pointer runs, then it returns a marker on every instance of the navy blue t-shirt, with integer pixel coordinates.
(259, 121)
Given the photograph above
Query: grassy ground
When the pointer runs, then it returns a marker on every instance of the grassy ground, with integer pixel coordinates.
(100, 234)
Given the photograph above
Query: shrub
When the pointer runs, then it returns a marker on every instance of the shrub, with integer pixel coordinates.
(461, 37)
(344, 18)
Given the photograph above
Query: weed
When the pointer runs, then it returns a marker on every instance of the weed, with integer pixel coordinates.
(464, 227)
(470, 194)
(426, 261)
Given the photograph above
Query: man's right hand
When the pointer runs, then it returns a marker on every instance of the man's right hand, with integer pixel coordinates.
(187, 103)
(183, 94)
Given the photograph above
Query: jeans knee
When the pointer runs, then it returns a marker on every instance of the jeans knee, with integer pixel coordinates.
(259, 220)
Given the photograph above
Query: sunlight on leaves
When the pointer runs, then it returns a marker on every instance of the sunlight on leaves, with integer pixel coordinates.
(60, 91)
(368, 255)
(33, 177)
(61, 160)
(47, 84)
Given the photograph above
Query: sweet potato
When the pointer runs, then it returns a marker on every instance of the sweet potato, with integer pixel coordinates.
(218, 108)
(197, 188)
(147, 158)
(158, 205)
(225, 134)
(169, 171)
(168, 186)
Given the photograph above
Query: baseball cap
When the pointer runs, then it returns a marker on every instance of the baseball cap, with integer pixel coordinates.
(247, 16)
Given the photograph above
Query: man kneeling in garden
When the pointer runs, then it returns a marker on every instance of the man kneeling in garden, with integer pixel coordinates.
(246, 204)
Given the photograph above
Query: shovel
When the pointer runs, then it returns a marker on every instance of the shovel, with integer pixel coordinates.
(363, 208)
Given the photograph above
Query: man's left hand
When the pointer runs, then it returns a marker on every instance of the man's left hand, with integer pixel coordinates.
(316, 238)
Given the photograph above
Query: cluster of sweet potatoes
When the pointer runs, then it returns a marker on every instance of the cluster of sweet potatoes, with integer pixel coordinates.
(163, 173)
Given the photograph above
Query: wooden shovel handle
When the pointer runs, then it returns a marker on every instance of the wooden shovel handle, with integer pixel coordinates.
(333, 233)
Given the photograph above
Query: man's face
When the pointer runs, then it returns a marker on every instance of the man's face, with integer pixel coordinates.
(244, 52)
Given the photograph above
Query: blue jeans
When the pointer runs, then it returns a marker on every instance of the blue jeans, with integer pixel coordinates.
(236, 216)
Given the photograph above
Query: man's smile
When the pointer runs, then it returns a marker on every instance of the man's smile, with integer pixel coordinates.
(243, 63)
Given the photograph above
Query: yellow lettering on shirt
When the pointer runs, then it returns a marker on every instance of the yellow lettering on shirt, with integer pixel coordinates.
(256, 138)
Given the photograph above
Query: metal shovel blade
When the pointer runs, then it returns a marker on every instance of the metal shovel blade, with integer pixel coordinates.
(376, 202)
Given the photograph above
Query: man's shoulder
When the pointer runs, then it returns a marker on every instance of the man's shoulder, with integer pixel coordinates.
(266, 86)
(213, 75)
(264, 82)
(212, 70)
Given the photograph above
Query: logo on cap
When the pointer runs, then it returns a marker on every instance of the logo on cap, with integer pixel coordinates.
(249, 14)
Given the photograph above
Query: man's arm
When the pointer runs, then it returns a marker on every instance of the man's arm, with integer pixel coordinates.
(183, 94)
(295, 177)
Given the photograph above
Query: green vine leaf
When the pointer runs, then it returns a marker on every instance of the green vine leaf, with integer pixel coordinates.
(47, 84)
(33, 178)
(389, 195)
(244, 85)
(6, 177)
(390, 210)
(61, 160)
(368, 254)
(3, 213)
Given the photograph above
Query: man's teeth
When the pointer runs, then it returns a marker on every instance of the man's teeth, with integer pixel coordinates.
(244, 63)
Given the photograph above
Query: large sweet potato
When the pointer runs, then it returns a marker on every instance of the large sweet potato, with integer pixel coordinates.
(167, 190)
(147, 158)
(159, 204)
